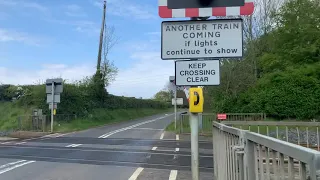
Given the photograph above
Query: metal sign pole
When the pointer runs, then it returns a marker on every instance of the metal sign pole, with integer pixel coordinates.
(52, 101)
(194, 125)
(175, 107)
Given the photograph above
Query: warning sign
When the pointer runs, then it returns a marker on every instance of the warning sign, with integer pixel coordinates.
(201, 39)
(197, 73)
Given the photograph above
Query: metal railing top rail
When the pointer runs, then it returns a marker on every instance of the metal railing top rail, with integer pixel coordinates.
(271, 123)
(298, 152)
(231, 130)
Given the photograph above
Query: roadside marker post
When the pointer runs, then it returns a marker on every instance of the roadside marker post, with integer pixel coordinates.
(197, 46)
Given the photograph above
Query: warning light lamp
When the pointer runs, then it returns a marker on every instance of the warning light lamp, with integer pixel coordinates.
(205, 2)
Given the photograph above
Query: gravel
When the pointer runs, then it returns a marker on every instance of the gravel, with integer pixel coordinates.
(293, 136)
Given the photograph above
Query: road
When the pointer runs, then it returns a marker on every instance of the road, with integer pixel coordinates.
(135, 150)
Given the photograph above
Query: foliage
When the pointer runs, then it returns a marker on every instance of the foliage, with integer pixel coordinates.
(163, 95)
(280, 71)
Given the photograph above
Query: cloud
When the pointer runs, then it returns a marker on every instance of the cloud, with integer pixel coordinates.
(23, 4)
(21, 77)
(74, 10)
(82, 26)
(8, 35)
(126, 8)
(146, 76)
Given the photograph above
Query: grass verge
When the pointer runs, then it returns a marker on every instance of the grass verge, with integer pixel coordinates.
(9, 113)
(103, 117)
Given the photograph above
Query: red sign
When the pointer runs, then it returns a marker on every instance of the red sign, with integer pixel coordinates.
(222, 116)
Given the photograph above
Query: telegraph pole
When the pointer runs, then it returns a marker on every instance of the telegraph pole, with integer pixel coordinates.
(101, 37)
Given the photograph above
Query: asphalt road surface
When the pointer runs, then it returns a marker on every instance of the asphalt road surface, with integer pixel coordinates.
(135, 150)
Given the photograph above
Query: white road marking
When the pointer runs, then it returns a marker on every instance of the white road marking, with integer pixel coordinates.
(21, 143)
(148, 129)
(177, 149)
(161, 137)
(12, 163)
(173, 175)
(74, 145)
(6, 142)
(15, 166)
(135, 175)
(154, 148)
(177, 137)
(129, 127)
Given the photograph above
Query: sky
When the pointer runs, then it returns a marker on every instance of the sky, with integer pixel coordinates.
(42, 39)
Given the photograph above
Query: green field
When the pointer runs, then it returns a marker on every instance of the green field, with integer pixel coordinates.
(9, 113)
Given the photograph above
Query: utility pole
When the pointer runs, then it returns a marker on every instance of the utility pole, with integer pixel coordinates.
(101, 37)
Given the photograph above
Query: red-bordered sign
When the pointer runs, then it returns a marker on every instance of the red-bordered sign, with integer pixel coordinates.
(165, 12)
(222, 116)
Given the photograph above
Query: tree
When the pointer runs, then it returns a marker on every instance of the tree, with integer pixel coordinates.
(108, 69)
(163, 96)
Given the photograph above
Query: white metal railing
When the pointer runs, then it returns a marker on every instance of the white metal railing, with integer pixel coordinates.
(298, 132)
(243, 155)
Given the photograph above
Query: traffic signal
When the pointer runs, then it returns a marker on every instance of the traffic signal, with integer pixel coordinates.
(196, 100)
(182, 4)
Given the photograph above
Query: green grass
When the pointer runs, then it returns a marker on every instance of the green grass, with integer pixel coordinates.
(9, 113)
(103, 117)
(184, 127)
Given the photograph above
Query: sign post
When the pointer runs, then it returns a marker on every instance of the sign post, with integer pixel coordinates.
(54, 88)
(189, 41)
(172, 80)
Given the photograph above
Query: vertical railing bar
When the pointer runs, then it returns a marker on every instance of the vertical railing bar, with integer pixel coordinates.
(229, 151)
(261, 162)
(256, 164)
(307, 128)
(318, 141)
(282, 166)
(249, 128)
(233, 160)
(303, 173)
(267, 130)
(298, 135)
(236, 166)
(291, 168)
(267, 163)
(287, 134)
(275, 165)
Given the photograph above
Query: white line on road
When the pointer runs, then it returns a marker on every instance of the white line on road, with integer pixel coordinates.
(173, 175)
(15, 166)
(21, 143)
(135, 175)
(162, 134)
(129, 127)
(74, 145)
(148, 129)
(177, 149)
(177, 137)
(154, 148)
(6, 142)
(12, 163)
